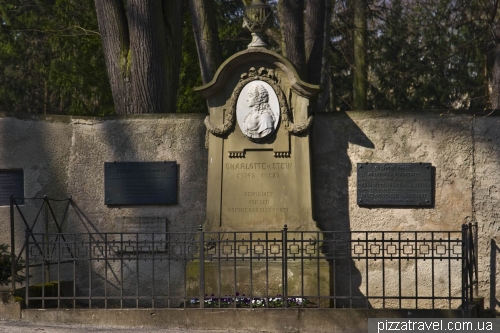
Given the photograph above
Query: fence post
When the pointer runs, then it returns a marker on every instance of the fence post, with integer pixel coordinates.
(476, 257)
(202, 265)
(465, 254)
(27, 267)
(471, 262)
(46, 205)
(12, 246)
(285, 267)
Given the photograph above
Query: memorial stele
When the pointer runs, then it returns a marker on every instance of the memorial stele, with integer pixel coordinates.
(259, 172)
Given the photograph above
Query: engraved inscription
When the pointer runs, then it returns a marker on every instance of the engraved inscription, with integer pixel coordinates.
(397, 184)
(256, 188)
(258, 210)
(259, 166)
(260, 199)
(270, 175)
(258, 194)
(258, 202)
(262, 175)
(245, 175)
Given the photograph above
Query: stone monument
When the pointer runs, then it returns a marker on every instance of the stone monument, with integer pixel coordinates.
(259, 171)
(259, 174)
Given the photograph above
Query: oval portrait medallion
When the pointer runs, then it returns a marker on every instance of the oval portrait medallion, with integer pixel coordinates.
(257, 110)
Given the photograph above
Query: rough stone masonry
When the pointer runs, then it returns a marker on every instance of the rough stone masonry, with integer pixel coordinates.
(64, 155)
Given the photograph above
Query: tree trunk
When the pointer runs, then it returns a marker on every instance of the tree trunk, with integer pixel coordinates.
(148, 51)
(206, 37)
(291, 14)
(495, 78)
(113, 27)
(487, 95)
(173, 15)
(314, 31)
(281, 38)
(359, 68)
(325, 94)
(140, 69)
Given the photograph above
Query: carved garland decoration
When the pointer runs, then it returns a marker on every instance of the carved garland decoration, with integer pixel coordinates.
(266, 76)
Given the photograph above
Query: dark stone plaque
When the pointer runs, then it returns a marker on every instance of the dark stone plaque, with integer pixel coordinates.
(140, 183)
(11, 183)
(394, 184)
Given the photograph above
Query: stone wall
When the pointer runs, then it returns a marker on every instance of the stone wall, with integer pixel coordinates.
(341, 141)
(63, 155)
(464, 151)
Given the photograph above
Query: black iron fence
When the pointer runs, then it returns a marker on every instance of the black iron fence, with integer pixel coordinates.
(42, 213)
(367, 269)
(108, 270)
(285, 268)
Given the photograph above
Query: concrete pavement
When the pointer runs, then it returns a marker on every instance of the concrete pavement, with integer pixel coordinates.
(19, 326)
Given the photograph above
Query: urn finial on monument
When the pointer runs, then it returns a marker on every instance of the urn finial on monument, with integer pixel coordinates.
(256, 19)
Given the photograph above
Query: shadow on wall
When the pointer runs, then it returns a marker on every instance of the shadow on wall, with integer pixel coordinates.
(331, 136)
(486, 201)
(138, 138)
(119, 140)
(40, 148)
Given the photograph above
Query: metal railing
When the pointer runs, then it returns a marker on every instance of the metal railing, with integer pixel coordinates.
(354, 269)
(108, 270)
(43, 211)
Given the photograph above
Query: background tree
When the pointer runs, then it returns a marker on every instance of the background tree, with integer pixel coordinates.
(291, 16)
(206, 37)
(324, 97)
(424, 54)
(490, 18)
(419, 54)
(314, 31)
(231, 37)
(359, 71)
(51, 59)
(187, 100)
(340, 55)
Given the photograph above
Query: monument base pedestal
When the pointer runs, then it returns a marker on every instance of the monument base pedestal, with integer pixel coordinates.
(307, 282)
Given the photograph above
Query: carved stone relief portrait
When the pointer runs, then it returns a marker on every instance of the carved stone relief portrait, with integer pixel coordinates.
(257, 110)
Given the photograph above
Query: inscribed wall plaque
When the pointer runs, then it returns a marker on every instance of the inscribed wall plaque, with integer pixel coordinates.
(11, 183)
(394, 184)
(140, 183)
